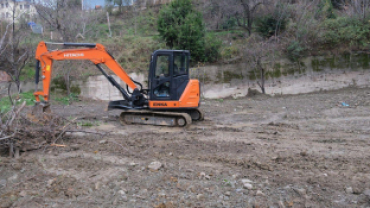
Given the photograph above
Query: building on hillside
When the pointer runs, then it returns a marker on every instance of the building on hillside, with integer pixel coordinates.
(21, 9)
(144, 4)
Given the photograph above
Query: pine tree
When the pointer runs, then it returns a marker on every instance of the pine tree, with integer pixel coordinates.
(182, 28)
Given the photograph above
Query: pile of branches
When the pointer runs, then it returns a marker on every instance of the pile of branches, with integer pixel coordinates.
(20, 133)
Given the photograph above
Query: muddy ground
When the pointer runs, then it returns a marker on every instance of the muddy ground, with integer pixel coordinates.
(284, 151)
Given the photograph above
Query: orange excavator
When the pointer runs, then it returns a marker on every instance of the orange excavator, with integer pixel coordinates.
(172, 98)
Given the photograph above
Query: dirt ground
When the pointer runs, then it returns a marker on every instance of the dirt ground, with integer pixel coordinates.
(284, 151)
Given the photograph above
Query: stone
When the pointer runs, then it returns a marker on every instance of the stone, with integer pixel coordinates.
(143, 192)
(124, 198)
(235, 176)
(281, 204)
(247, 186)
(227, 193)
(23, 193)
(181, 187)
(202, 174)
(2, 183)
(193, 189)
(155, 166)
(367, 193)
(162, 193)
(303, 154)
(245, 180)
(301, 192)
(260, 193)
(200, 197)
(207, 177)
(122, 192)
(103, 141)
(349, 190)
(98, 185)
(170, 205)
(357, 191)
(133, 164)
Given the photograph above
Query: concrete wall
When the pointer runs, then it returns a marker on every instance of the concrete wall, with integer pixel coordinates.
(216, 85)
(25, 87)
(233, 80)
(297, 85)
(99, 88)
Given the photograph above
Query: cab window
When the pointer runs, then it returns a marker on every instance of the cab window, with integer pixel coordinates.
(180, 64)
(163, 66)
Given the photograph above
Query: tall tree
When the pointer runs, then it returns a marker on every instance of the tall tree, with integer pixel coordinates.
(13, 51)
(63, 16)
(66, 18)
(181, 26)
(244, 12)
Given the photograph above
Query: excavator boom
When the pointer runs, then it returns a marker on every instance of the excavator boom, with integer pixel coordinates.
(96, 53)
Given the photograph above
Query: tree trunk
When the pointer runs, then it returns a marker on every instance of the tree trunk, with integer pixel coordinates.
(262, 70)
(67, 82)
(11, 149)
(16, 154)
(263, 81)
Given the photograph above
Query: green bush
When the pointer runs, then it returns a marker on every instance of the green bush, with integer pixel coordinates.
(295, 50)
(268, 25)
(345, 30)
(5, 104)
(28, 72)
(212, 48)
(182, 28)
(229, 23)
(326, 9)
(230, 52)
(337, 4)
(66, 100)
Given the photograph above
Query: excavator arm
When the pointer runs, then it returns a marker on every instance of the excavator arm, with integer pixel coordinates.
(97, 54)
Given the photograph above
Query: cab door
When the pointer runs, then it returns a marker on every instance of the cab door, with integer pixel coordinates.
(161, 76)
(180, 73)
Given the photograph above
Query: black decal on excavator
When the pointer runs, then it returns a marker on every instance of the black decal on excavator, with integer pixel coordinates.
(160, 104)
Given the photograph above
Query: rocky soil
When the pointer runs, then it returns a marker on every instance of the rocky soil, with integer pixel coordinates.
(285, 151)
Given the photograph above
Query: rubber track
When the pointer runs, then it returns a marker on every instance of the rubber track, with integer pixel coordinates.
(149, 113)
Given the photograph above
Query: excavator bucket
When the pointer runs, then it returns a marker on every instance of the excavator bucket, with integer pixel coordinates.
(40, 113)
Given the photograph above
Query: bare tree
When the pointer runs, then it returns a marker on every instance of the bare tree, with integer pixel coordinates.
(359, 8)
(66, 18)
(69, 21)
(244, 12)
(3, 42)
(14, 55)
(257, 50)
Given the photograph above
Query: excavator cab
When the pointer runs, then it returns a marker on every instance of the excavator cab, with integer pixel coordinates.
(168, 74)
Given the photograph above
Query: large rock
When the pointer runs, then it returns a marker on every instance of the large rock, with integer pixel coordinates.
(4, 77)
(155, 166)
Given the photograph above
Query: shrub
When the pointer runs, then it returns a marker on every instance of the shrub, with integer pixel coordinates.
(295, 50)
(268, 25)
(212, 48)
(229, 23)
(230, 52)
(182, 27)
(345, 30)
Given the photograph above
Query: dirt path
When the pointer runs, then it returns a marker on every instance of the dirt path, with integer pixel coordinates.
(289, 151)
